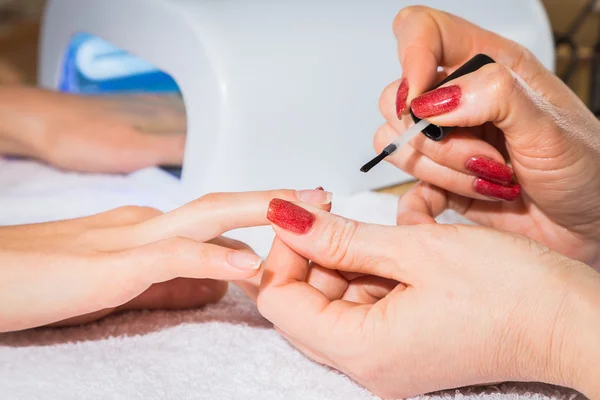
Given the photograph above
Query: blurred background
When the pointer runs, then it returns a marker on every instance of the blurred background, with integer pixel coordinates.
(576, 24)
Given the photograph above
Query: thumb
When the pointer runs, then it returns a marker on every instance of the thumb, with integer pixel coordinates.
(338, 243)
(494, 93)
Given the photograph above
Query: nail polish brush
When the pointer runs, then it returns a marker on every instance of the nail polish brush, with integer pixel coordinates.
(432, 131)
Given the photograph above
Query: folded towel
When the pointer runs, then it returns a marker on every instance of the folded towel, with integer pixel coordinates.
(221, 351)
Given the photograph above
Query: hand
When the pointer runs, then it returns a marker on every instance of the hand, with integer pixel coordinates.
(111, 134)
(475, 306)
(358, 288)
(514, 110)
(79, 270)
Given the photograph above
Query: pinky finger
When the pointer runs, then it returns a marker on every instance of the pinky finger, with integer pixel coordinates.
(185, 258)
(424, 202)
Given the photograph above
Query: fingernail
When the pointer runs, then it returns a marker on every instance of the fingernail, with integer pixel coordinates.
(316, 197)
(491, 189)
(290, 216)
(320, 188)
(401, 96)
(436, 102)
(244, 261)
(490, 169)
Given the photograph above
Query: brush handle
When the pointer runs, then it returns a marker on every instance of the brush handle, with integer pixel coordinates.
(435, 132)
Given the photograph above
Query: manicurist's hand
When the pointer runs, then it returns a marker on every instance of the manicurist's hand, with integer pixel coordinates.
(475, 305)
(79, 270)
(519, 123)
(110, 134)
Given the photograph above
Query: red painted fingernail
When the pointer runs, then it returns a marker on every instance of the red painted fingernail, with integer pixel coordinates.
(436, 102)
(490, 169)
(320, 188)
(492, 189)
(290, 216)
(401, 96)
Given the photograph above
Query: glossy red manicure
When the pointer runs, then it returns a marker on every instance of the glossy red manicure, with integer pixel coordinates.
(290, 216)
(436, 102)
(490, 169)
(401, 96)
(491, 189)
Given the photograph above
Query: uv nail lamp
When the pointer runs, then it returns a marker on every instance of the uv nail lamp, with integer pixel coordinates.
(278, 93)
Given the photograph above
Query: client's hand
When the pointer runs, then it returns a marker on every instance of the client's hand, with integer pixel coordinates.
(514, 110)
(113, 134)
(475, 306)
(79, 270)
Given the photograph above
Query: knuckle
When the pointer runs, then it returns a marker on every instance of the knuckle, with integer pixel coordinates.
(339, 237)
(210, 199)
(410, 11)
(280, 193)
(442, 152)
(134, 214)
(380, 138)
(502, 81)
(179, 247)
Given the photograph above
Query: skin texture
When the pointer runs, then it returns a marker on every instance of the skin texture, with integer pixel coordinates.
(499, 307)
(111, 134)
(79, 270)
(514, 112)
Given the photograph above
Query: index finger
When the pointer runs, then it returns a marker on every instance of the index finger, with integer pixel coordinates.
(428, 38)
(210, 216)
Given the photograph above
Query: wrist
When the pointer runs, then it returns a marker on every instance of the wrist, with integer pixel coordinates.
(577, 352)
(18, 128)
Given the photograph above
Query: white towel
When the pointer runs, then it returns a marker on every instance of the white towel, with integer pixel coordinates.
(222, 351)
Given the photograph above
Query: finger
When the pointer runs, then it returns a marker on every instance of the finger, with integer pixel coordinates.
(250, 287)
(77, 285)
(121, 216)
(185, 258)
(494, 93)
(208, 217)
(284, 266)
(394, 102)
(461, 151)
(428, 38)
(290, 303)
(298, 309)
(335, 242)
(422, 167)
(288, 258)
(216, 213)
(368, 289)
(424, 202)
(329, 282)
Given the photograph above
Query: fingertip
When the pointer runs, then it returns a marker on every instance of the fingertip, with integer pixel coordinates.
(384, 136)
(420, 69)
